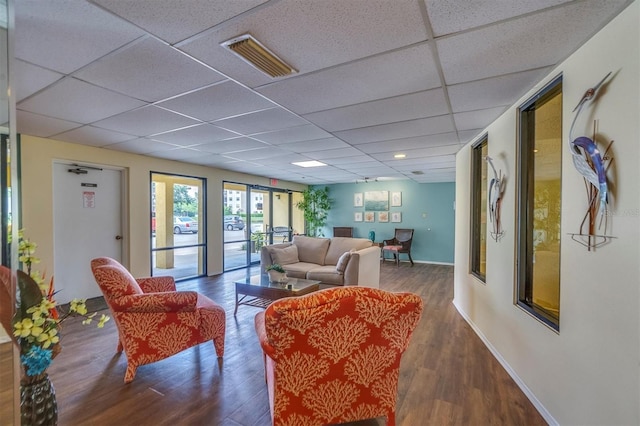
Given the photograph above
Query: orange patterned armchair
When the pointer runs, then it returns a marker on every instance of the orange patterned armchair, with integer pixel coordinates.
(333, 356)
(154, 320)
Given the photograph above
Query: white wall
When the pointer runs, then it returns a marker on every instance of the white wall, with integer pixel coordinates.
(589, 372)
(37, 157)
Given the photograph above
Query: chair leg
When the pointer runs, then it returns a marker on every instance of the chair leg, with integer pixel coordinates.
(410, 259)
(131, 373)
(218, 343)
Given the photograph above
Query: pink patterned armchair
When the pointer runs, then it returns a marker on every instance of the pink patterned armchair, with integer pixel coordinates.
(154, 320)
(333, 356)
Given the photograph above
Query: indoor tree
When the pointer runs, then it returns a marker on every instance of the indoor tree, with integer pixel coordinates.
(315, 205)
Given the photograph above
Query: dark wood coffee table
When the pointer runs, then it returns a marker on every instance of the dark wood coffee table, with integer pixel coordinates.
(258, 291)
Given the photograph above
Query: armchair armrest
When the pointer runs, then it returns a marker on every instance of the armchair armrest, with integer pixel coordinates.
(156, 284)
(391, 242)
(261, 331)
(169, 301)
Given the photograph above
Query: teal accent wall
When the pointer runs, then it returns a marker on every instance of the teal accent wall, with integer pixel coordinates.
(428, 208)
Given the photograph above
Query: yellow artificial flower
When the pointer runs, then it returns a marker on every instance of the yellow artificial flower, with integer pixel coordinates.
(79, 306)
(23, 328)
(49, 338)
(103, 319)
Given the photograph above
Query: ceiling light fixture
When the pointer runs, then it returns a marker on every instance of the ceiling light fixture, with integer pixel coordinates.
(313, 163)
(400, 156)
(256, 54)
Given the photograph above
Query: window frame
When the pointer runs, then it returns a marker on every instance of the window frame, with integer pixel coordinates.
(523, 292)
(478, 207)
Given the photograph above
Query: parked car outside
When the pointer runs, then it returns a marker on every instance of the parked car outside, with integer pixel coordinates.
(233, 222)
(183, 224)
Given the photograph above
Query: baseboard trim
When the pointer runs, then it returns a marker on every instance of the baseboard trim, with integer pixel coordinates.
(530, 395)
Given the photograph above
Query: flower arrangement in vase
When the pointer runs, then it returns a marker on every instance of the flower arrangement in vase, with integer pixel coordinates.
(277, 273)
(36, 325)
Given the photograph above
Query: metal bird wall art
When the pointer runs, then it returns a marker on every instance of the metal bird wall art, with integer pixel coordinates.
(496, 190)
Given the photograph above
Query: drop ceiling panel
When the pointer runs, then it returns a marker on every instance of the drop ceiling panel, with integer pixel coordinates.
(141, 146)
(231, 145)
(149, 70)
(195, 135)
(400, 108)
(405, 129)
(32, 78)
(222, 100)
(493, 92)
(39, 125)
(398, 145)
(475, 119)
(468, 135)
(255, 154)
(315, 145)
(509, 47)
(145, 121)
(357, 82)
(387, 157)
(176, 153)
(208, 159)
(72, 99)
(172, 21)
(347, 161)
(66, 35)
(448, 16)
(261, 121)
(94, 136)
(333, 153)
(292, 134)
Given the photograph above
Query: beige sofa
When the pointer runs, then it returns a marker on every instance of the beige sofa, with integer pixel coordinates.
(333, 261)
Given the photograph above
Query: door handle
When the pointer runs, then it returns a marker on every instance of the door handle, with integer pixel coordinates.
(118, 237)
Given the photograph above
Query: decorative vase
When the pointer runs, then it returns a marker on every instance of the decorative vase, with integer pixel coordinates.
(372, 235)
(38, 404)
(277, 277)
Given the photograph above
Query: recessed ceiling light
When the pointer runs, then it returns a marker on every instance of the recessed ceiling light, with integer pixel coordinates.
(313, 163)
(400, 156)
(256, 54)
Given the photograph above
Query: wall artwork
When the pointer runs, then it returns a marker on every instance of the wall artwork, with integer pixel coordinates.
(376, 201)
(357, 199)
(396, 199)
(357, 217)
(396, 217)
(369, 216)
(383, 216)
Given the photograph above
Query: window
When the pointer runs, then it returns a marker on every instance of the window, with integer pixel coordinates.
(539, 204)
(479, 209)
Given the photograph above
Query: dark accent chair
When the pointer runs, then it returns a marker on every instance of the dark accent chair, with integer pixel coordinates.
(400, 243)
(343, 231)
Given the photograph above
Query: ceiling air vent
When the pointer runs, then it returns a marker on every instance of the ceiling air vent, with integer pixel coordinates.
(253, 52)
(417, 172)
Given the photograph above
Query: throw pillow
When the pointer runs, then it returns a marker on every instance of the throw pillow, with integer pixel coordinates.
(285, 256)
(342, 261)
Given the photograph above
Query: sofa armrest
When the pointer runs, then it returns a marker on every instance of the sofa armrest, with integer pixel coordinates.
(170, 301)
(363, 268)
(156, 284)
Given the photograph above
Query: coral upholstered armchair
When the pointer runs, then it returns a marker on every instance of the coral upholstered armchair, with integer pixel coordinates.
(333, 356)
(154, 320)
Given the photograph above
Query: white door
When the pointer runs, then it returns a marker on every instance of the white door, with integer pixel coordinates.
(87, 218)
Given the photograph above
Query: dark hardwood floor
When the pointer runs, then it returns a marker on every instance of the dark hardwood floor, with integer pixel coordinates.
(448, 377)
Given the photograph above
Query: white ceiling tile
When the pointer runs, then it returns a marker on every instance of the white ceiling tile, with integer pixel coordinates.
(400, 108)
(467, 136)
(390, 74)
(474, 119)
(535, 41)
(72, 99)
(261, 121)
(94, 136)
(38, 125)
(333, 153)
(176, 153)
(222, 100)
(31, 78)
(448, 16)
(66, 35)
(149, 70)
(145, 121)
(195, 135)
(405, 129)
(231, 145)
(315, 145)
(347, 161)
(410, 162)
(255, 154)
(387, 157)
(284, 159)
(141, 146)
(398, 145)
(173, 21)
(493, 92)
(293, 134)
(212, 160)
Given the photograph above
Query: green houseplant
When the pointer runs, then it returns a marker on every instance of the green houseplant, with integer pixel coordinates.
(315, 205)
(276, 272)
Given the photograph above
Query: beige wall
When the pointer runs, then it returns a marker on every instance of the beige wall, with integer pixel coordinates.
(589, 372)
(37, 157)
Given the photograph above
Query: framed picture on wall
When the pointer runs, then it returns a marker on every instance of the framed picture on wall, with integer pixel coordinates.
(383, 216)
(357, 217)
(369, 216)
(396, 199)
(358, 200)
(376, 201)
(396, 217)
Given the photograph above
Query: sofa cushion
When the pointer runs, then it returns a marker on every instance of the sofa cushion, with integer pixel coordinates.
(312, 250)
(299, 270)
(339, 245)
(341, 265)
(327, 274)
(284, 255)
